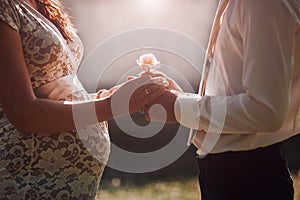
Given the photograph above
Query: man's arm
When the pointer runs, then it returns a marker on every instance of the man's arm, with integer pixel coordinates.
(267, 31)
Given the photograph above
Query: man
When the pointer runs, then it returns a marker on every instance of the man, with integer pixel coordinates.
(251, 77)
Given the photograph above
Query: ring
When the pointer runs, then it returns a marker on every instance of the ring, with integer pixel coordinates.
(146, 91)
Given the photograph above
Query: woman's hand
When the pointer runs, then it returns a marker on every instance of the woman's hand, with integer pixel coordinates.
(134, 94)
(172, 84)
(101, 94)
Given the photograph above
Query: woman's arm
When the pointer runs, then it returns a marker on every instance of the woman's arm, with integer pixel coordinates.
(30, 114)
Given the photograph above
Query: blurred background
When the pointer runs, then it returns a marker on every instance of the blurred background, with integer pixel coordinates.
(99, 22)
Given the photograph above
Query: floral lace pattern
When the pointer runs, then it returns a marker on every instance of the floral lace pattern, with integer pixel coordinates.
(63, 165)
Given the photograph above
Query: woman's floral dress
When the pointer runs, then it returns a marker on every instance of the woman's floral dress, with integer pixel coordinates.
(65, 165)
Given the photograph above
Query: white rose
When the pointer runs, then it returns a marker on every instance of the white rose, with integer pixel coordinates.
(147, 62)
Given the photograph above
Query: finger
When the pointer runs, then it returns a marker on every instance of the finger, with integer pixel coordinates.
(146, 79)
(153, 96)
(152, 73)
(131, 78)
(147, 117)
(152, 88)
(146, 109)
(152, 81)
(157, 80)
(144, 73)
(141, 79)
(161, 81)
(142, 92)
(112, 90)
(140, 88)
(137, 82)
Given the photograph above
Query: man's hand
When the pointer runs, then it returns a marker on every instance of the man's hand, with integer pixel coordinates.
(172, 84)
(158, 113)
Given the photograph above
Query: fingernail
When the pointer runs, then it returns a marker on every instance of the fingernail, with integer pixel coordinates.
(165, 83)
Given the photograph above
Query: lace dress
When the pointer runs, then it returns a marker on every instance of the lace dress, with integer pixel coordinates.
(63, 165)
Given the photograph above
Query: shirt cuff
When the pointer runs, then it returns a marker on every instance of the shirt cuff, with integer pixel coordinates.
(187, 112)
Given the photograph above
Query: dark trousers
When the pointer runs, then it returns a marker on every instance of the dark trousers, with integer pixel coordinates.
(260, 174)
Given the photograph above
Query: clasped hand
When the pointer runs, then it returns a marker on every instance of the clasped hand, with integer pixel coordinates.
(140, 93)
(164, 112)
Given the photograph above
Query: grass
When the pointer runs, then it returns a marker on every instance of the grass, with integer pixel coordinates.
(156, 190)
(185, 189)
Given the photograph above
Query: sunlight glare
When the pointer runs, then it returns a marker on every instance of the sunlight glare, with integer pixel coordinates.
(151, 5)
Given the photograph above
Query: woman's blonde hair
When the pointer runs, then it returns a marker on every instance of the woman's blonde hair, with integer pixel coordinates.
(55, 12)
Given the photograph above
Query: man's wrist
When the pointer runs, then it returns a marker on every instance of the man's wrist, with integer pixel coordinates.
(186, 110)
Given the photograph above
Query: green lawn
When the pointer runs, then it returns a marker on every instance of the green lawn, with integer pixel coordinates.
(156, 190)
(186, 189)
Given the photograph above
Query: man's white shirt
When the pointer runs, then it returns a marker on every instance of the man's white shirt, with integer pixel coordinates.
(253, 86)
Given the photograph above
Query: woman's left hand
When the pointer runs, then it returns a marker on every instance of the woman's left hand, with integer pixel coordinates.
(106, 93)
(134, 94)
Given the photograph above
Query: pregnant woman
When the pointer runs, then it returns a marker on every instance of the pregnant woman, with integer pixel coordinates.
(42, 156)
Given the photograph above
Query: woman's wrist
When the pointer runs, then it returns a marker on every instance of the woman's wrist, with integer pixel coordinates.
(103, 109)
